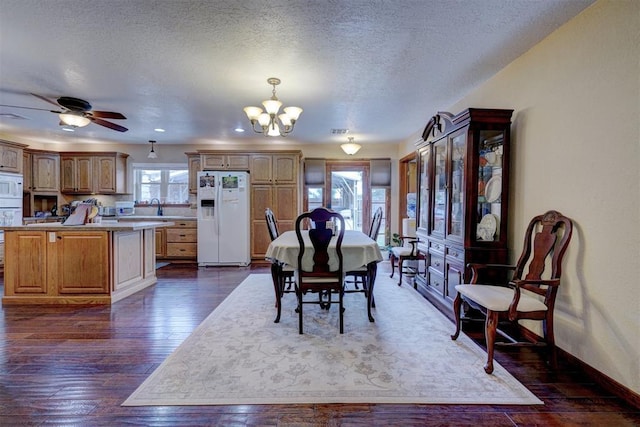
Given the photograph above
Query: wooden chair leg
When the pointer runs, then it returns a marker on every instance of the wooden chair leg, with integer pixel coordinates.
(341, 308)
(491, 325)
(547, 328)
(400, 262)
(300, 312)
(457, 305)
(393, 264)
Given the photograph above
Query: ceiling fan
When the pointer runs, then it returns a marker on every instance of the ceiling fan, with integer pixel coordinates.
(77, 112)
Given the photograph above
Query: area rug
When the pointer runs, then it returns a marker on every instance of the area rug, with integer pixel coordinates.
(239, 356)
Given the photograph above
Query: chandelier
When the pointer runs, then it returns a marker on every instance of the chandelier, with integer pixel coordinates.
(272, 124)
(350, 147)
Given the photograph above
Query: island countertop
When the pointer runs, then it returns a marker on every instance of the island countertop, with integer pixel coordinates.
(102, 226)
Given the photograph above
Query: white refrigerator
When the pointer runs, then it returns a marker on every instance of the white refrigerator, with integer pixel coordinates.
(223, 218)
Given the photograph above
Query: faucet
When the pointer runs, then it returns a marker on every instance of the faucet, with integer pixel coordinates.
(159, 212)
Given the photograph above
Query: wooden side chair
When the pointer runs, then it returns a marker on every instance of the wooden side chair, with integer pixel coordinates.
(283, 274)
(320, 277)
(361, 275)
(529, 295)
(407, 251)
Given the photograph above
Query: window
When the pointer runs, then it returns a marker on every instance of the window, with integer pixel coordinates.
(167, 182)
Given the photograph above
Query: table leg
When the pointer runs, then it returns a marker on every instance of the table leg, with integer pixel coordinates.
(372, 269)
(276, 276)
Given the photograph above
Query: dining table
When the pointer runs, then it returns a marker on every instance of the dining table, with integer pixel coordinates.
(359, 251)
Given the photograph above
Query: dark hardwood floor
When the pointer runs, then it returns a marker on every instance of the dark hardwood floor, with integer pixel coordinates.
(74, 366)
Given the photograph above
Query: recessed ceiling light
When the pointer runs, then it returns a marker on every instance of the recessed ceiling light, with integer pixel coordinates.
(159, 130)
(239, 130)
(68, 129)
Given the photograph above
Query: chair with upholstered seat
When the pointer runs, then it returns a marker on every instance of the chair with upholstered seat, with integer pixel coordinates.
(360, 275)
(529, 295)
(324, 274)
(407, 252)
(282, 274)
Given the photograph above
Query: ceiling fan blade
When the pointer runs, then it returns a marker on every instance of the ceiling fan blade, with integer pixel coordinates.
(107, 115)
(107, 124)
(46, 99)
(30, 108)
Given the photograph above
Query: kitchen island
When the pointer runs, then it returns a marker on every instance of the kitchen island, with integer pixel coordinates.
(50, 263)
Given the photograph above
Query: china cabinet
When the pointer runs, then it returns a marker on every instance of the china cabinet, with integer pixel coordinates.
(463, 197)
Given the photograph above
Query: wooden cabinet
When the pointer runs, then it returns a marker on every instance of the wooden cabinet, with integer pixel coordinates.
(11, 157)
(54, 264)
(82, 260)
(110, 173)
(161, 242)
(274, 184)
(283, 201)
(45, 172)
(66, 263)
(463, 197)
(193, 160)
(182, 240)
(93, 173)
(26, 171)
(274, 168)
(230, 161)
(76, 174)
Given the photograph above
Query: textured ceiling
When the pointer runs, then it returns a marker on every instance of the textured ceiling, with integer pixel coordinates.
(377, 68)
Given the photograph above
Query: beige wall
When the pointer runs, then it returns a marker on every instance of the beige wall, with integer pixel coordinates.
(576, 149)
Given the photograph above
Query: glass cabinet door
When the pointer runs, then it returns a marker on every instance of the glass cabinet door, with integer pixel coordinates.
(438, 215)
(423, 191)
(458, 149)
(489, 178)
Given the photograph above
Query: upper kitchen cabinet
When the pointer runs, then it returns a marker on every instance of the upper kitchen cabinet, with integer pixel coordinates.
(76, 174)
(225, 161)
(93, 173)
(110, 173)
(280, 168)
(194, 162)
(11, 157)
(463, 197)
(45, 172)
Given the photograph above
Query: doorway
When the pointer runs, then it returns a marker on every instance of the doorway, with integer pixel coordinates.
(349, 193)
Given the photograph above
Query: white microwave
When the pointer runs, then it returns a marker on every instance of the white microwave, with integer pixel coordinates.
(10, 186)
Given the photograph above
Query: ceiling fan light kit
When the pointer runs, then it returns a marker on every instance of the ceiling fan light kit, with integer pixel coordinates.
(351, 147)
(269, 121)
(74, 119)
(77, 113)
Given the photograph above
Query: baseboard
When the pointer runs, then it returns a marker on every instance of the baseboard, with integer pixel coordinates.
(598, 377)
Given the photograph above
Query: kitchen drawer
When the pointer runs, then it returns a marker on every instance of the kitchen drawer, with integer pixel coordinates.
(184, 224)
(182, 249)
(184, 235)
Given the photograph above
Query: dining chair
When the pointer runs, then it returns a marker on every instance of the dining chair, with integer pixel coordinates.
(359, 276)
(407, 252)
(529, 295)
(287, 272)
(325, 274)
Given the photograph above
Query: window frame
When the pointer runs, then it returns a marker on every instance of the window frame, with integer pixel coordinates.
(164, 184)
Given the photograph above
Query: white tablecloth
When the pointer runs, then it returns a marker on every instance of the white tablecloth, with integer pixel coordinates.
(358, 250)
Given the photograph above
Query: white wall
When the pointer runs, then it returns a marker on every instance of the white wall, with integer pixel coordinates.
(576, 149)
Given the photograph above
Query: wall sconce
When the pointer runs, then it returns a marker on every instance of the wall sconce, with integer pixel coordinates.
(152, 154)
(350, 147)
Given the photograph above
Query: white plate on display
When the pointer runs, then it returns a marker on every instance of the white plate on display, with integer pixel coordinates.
(493, 189)
(487, 227)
